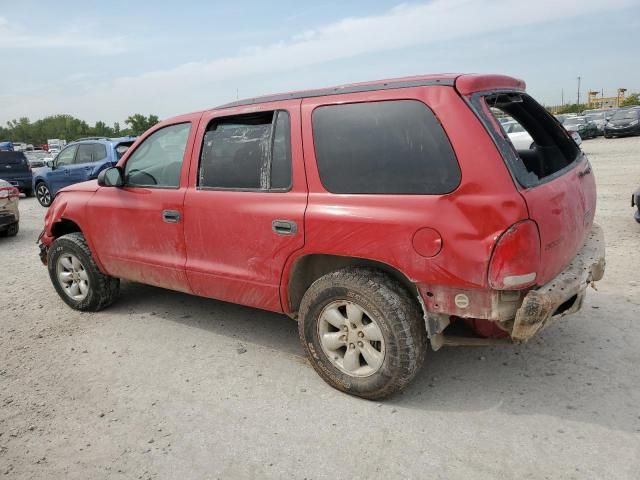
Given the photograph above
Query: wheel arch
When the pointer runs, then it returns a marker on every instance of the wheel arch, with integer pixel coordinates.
(64, 226)
(306, 269)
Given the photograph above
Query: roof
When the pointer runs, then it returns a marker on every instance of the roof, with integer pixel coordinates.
(447, 79)
(464, 83)
(104, 139)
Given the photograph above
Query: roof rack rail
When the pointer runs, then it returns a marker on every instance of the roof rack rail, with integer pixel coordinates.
(90, 138)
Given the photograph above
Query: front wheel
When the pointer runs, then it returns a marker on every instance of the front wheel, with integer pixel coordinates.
(363, 332)
(76, 276)
(43, 194)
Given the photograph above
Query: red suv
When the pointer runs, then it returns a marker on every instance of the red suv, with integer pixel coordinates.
(379, 215)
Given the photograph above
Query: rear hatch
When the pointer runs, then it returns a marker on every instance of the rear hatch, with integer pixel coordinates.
(553, 176)
(12, 165)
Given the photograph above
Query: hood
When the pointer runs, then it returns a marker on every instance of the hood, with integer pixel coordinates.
(89, 186)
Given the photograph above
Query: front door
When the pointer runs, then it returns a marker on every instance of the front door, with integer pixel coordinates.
(138, 229)
(59, 176)
(244, 212)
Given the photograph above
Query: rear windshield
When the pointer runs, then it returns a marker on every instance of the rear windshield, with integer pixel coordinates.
(12, 158)
(548, 149)
(626, 114)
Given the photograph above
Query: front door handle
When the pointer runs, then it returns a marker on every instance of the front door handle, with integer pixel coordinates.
(284, 227)
(171, 216)
(584, 172)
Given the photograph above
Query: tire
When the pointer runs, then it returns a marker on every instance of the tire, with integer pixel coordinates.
(69, 257)
(384, 303)
(43, 194)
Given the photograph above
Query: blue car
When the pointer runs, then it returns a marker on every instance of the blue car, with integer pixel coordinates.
(15, 169)
(79, 161)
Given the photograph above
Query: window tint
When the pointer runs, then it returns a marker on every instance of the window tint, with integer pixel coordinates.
(84, 153)
(158, 160)
(247, 152)
(281, 153)
(383, 147)
(98, 152)
(65, 157)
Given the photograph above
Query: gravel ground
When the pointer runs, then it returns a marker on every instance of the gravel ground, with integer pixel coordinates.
(164, 385)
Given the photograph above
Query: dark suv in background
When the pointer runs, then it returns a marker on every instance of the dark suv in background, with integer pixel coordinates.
(15, 169)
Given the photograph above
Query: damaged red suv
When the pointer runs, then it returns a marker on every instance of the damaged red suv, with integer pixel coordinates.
(381, 216)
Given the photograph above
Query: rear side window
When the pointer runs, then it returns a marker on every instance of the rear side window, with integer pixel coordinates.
(537, 146)
(389, 147)
(247, 152)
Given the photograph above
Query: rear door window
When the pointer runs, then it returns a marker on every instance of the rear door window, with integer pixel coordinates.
(387, 147)
(84, 153)
(98, 152)
(247, 152)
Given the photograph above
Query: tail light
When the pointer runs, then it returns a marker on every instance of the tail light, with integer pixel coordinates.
(9, 192)
(516, 257)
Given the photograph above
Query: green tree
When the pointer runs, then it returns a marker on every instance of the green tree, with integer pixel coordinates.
(139, 124)
(631, 100)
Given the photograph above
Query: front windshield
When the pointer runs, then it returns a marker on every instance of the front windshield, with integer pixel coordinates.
(595, 116)
(626, 114)
(574, 121)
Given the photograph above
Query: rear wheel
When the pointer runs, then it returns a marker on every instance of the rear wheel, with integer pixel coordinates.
(43, 194)
(76, 276)
(363, 332)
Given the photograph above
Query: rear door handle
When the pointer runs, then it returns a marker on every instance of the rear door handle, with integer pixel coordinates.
(171, 216)
(284, 227)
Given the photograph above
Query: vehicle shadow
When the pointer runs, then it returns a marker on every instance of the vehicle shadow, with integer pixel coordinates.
(580, 369)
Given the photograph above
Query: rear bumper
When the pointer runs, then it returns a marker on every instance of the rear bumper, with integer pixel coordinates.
(23, 183)
(7, 219)
(565, 293)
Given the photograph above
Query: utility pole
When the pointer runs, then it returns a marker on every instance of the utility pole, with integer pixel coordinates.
(562, 97)
(578, 102)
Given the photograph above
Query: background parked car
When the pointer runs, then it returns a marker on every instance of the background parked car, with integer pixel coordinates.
(599, 119)
(518, 135)
(626, 121)
(584, 127)
(79, 161)
(15, 169)
(9, 214)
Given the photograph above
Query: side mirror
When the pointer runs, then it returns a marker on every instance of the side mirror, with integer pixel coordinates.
(51, 164)
(110, 177)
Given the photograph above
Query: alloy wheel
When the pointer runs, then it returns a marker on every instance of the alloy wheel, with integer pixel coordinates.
(351, 338)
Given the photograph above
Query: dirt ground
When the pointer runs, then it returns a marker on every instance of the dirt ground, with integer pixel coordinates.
(163, 385)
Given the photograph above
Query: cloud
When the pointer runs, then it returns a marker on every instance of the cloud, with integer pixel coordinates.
(68, 36)
(193, 85)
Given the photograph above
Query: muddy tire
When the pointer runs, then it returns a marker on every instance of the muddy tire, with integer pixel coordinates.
(363, 332)
(76, 277)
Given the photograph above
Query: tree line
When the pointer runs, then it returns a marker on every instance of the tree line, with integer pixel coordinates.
(70, 128)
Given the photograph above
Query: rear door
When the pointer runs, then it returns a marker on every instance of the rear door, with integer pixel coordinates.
(244, 210)
(83, 164)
